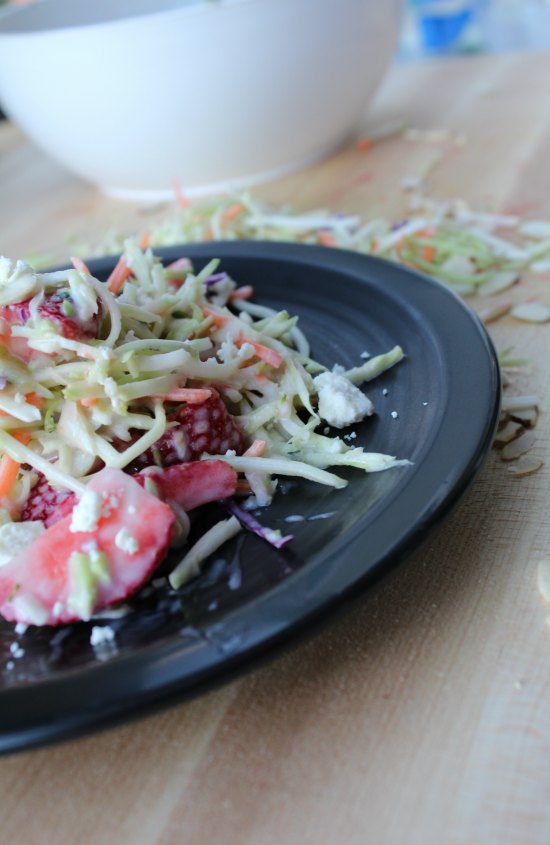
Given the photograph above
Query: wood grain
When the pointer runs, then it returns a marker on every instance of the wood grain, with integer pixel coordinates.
(421, 717)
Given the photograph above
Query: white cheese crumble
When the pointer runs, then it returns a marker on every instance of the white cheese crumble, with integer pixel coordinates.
(16, 536)
(86, 512)
(394, 414)
(126, 542)
(341, 403)
(101, 634)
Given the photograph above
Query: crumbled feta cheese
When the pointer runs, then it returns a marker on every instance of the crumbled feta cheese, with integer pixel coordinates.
(16, 536)
(101, 634)
(6, 269)
(16, 650)
(365, 354)
(394, 414)
(86, 512)
(30, 608)
(126, 542)
(9, 665)
(385, 392)
(20, 628)
(341, 403)
(246, 351)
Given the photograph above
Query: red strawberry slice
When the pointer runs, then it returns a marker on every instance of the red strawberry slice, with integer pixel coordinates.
(206, 427)
(192, 485)
(188, 485)
(54, 308)
(45, 501)
(40, 584)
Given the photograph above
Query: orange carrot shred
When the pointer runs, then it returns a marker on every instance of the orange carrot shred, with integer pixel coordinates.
(9, 467)
(191, 395)
(327, 239)
(264, 353)
(144, 240)
(256, 449)
(181, 199)
(8, 474)
(79, 264)
(119, 275)
(244, 292)
(35, 399)
(428, 253)
(364, 145)
(218, 320)
(232, 212)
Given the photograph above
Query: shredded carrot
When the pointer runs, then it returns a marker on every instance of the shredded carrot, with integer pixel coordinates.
(232, 212)
(79, 264)
(180, 264)
(35, 399)
(8, 474)
(399, 245)
(326, 239)
(181, 199)
(244, 292)
(364, 145)
(10, 467)
(428, 253)
(119, 275)
(89, 402)
(256, 449)
(192, 395)
(264, 353)
(23, 437)
(218, 320)
(144, 240)
(428, 232)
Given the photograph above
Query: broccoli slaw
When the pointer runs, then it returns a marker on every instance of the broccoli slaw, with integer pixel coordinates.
(99, 377)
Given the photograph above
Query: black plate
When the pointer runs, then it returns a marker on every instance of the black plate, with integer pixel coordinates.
(252, 598)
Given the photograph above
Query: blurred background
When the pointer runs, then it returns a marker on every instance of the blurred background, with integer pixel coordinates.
(442, 27)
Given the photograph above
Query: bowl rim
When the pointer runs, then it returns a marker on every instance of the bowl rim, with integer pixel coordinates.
(18, 21)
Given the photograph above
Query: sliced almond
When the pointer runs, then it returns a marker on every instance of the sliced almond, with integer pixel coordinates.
(543, 578)
(528, 418)
(500, 281)
(537, 229)
(531, 312)
(519, 403)
(526, 465)
(510, 431)
(494, 312)
(518, 447)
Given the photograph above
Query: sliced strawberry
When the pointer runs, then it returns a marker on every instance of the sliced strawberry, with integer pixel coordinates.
(54, 308)
(45, 503)
(133, 532)
(60, 310)
(188, 485)
(192, 485)
(206, 427)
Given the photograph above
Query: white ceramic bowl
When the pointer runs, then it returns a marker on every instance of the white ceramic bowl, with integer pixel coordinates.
(139, 95)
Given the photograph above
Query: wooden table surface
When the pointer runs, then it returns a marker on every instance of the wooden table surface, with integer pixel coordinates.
(423, 716)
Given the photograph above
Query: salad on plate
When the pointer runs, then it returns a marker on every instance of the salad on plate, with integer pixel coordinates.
(128, 405)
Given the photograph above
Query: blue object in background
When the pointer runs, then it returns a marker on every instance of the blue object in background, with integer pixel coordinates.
(437, 27)
(442, 24)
